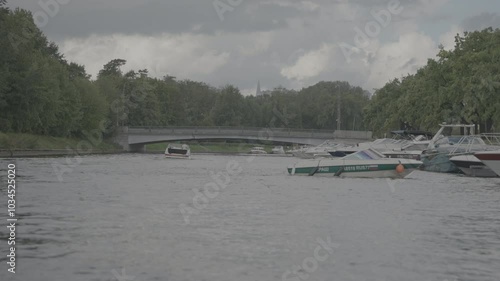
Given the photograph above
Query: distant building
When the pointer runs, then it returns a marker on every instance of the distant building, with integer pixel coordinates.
(259, 91)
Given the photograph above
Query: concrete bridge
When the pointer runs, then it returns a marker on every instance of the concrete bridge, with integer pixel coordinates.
(135, 138)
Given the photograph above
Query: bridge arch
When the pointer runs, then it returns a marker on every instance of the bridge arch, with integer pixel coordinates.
(135, 138)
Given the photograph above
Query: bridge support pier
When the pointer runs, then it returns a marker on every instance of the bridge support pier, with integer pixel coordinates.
(121, 138)
(139, 148)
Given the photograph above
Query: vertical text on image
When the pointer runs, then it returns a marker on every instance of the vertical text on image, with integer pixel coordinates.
(11, 219)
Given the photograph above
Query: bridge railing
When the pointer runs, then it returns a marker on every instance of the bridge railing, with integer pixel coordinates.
(221, 130)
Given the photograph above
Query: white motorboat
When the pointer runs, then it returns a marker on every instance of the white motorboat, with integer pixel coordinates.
(278, 150)
(490, 159)
(296, 150)
(392, 148)
(322, 150)
(178, 151)
(367, 163)
(471, 166)
(301, 152)
(450, 141)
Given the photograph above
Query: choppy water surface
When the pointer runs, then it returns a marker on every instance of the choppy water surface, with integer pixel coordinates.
(115, 215)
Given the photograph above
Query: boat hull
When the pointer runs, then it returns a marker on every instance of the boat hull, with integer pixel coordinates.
(356, 169)
(490, 159)
(303, 155)
(178, 153)
(472, 166)
(177, 156)
(258, 152)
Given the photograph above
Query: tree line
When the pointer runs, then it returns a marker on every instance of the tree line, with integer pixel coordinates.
(42, 93)
(459, 86)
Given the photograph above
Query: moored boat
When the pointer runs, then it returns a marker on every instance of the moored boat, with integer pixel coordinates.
(257, 150)
(278, 150)
(471, 166)
(367, 163)
(319, 151)
(392, 148)
(178, 151)
(450, 141)
(490, 159)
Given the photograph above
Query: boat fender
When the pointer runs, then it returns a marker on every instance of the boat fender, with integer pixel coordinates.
(400, 168)
(293, 170)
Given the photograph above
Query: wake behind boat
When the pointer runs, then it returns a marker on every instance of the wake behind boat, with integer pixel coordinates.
(367, 163)
(178, 151)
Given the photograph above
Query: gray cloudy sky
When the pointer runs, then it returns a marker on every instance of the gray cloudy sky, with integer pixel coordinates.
(291, 43)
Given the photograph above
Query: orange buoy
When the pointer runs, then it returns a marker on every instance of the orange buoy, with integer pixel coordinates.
(400, 168)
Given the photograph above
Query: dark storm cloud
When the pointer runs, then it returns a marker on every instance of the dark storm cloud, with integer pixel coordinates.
(292, 43)
(80, 19)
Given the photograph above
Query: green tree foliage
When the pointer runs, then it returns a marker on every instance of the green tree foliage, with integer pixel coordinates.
(42, 93)
(228, 108)
(321, 103)
(112, 68)
(461, 85)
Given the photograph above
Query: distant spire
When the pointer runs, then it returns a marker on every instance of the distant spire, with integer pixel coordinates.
(258, 92)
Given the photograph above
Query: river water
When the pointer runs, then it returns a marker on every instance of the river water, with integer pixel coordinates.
(132, 217)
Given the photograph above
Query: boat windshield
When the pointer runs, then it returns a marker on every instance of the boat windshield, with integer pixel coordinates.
(368, 154)
(416, 146)
(461, 140)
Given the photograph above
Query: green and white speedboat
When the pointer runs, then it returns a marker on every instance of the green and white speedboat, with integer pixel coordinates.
(367, 163)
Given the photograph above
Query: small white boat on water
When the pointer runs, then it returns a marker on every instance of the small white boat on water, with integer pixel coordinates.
(490, 159)
(257, 150)
(278, 150)
(367, 163)
(178, 151)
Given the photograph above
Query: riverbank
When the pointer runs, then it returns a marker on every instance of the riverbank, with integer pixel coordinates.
(52, 153)
(29, 145)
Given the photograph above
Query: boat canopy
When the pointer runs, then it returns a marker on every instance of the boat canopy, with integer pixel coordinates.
(410, 134)
(177, 146)
(460, 140)
(367, 154)
(258, 148)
